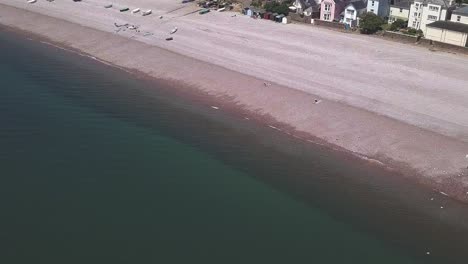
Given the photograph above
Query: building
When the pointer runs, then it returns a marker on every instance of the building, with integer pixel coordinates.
(423, 12)
(379, 7)
(307, 8)
(330, 10)
(460, 15)
(448, 32)
(399, 10)
(352, 12)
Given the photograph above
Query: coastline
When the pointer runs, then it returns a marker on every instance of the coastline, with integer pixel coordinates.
(433, 159)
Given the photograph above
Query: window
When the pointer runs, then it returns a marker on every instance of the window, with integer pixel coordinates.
(433, 18)
(434, 8)
(401, 10)
(326, 17)
(414, 24)
(458, 18)
(372, 10)
(373, 3)
(350, 12)
(327, 7)
(415, 14)
(419, 14)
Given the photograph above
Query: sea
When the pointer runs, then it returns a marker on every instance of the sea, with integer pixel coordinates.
(98, 165)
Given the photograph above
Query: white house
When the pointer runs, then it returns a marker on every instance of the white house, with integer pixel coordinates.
(399, 10)
(379, 7)
(428, 11)
(352, 11)
(460, 15)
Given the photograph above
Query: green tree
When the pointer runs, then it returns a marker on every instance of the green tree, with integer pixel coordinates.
(370, 23)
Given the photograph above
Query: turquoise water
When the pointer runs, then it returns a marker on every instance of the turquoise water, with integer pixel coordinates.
(98, 167)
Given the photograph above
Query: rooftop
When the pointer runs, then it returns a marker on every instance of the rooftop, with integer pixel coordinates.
(461, 11)
(448, 25)
(443, 3)
(403, 4)
(358, 4)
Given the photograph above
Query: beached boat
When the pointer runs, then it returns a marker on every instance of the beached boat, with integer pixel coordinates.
(174, 30)
(147, 12)
(32, 1)
(204, 11)
(125, 9)
(221, 9)
(170, 38)
(136, 10)
(108, 6)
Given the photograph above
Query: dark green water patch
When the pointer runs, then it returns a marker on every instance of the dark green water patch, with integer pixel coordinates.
(99, 167)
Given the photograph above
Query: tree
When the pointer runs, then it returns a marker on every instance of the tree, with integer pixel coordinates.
(280, 8)
(370, 23)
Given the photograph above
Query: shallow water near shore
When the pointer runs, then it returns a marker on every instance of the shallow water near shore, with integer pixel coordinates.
(99, 167)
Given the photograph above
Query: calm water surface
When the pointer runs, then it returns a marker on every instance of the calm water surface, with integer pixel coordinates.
(97, 167)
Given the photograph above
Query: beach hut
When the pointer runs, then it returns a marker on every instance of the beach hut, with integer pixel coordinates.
(279, 18)
(285, 20)
(273, 16)
(249, 12)
(259, 13)
(244, 11)
(267, 15)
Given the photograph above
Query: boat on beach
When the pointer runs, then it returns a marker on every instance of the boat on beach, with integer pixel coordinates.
(136, 10)
(32, 1)
(147, 12)
(204, 11)
(108, 6)
(125, 9)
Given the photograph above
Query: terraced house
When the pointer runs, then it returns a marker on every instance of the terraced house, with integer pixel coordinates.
(399, 10)
(460, 15)
(426, 12)
(330, 10)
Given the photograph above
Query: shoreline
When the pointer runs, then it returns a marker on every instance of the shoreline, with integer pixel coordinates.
(336, 125)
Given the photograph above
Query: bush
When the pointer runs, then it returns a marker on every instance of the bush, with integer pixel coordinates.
(370, 23)
(398, 24)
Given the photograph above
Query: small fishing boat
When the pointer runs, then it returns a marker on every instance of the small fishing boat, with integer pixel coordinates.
(221, 9)
(32, 1)
(125, 9)
(147, 12)
(170, 38)
(174, 30)
(204, 11)
(108, 6)
(136, 10)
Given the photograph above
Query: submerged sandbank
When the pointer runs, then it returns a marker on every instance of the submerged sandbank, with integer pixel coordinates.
(432, 158)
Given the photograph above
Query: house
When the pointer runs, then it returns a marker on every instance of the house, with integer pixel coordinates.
(423, 12)
(449, 32)
(460, 15)
(399, 10)
(352, 12)
(379, 7)
(300, 6)
(307, 8)
(331, 9)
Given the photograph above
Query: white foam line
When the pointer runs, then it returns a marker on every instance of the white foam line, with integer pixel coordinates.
(274, 127)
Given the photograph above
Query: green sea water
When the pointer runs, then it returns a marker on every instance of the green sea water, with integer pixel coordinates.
(98, 167)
